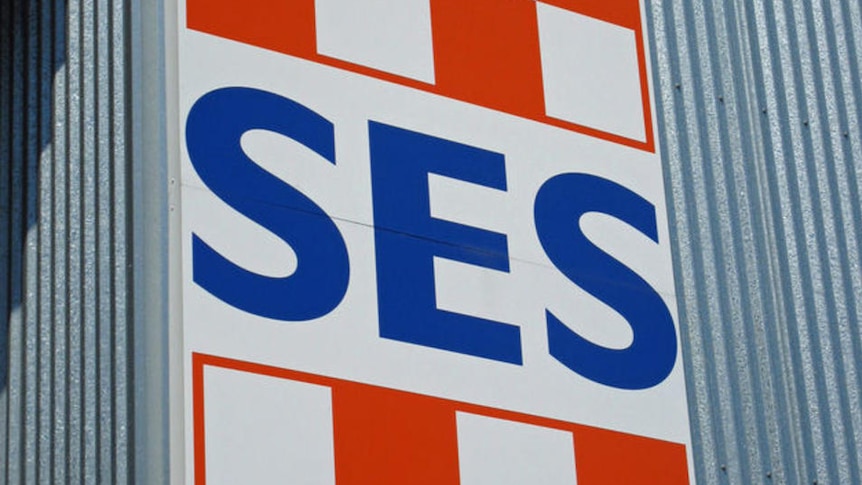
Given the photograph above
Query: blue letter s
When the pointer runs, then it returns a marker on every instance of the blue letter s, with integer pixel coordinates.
(214, 127)
(560, 203)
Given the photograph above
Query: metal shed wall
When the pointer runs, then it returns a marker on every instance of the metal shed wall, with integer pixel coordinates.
(65, 407)
(759, 105)
(759, 122)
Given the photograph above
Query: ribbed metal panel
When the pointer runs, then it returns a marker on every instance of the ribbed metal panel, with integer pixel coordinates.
(64, 242)
(759, 122)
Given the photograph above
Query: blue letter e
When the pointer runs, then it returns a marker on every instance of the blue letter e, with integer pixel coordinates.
(408, 239)
(214, 127)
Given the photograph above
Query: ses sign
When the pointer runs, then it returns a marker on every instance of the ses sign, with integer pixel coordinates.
(425, 242)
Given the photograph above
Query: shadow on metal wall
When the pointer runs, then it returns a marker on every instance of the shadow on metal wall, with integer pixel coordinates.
(32, 50)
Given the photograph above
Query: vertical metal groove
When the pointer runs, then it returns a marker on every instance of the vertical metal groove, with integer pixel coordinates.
(121, 264)
(5, 226)
(759, 106)
(61, 179)
(64, 269)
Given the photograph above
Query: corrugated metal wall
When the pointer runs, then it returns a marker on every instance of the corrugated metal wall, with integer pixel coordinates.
(64, 242)
(759, 108)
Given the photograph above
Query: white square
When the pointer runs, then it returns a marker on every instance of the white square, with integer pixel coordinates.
(498, 452)
(388, 35)
(264, 430)
(590, 72)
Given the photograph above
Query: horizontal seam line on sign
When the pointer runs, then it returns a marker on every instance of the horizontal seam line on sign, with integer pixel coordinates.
(415, 236)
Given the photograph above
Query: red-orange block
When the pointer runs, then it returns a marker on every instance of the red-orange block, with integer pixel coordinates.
(388, 437)
(487, 52)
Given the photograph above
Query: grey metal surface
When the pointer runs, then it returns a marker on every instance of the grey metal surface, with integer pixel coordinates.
(759, 113)
(64, 242)
(151, 141)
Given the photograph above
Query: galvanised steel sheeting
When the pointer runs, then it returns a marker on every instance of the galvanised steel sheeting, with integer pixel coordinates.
(759, 122)
(64, 242)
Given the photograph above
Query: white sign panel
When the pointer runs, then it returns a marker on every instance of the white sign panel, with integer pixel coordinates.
(425, 242)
